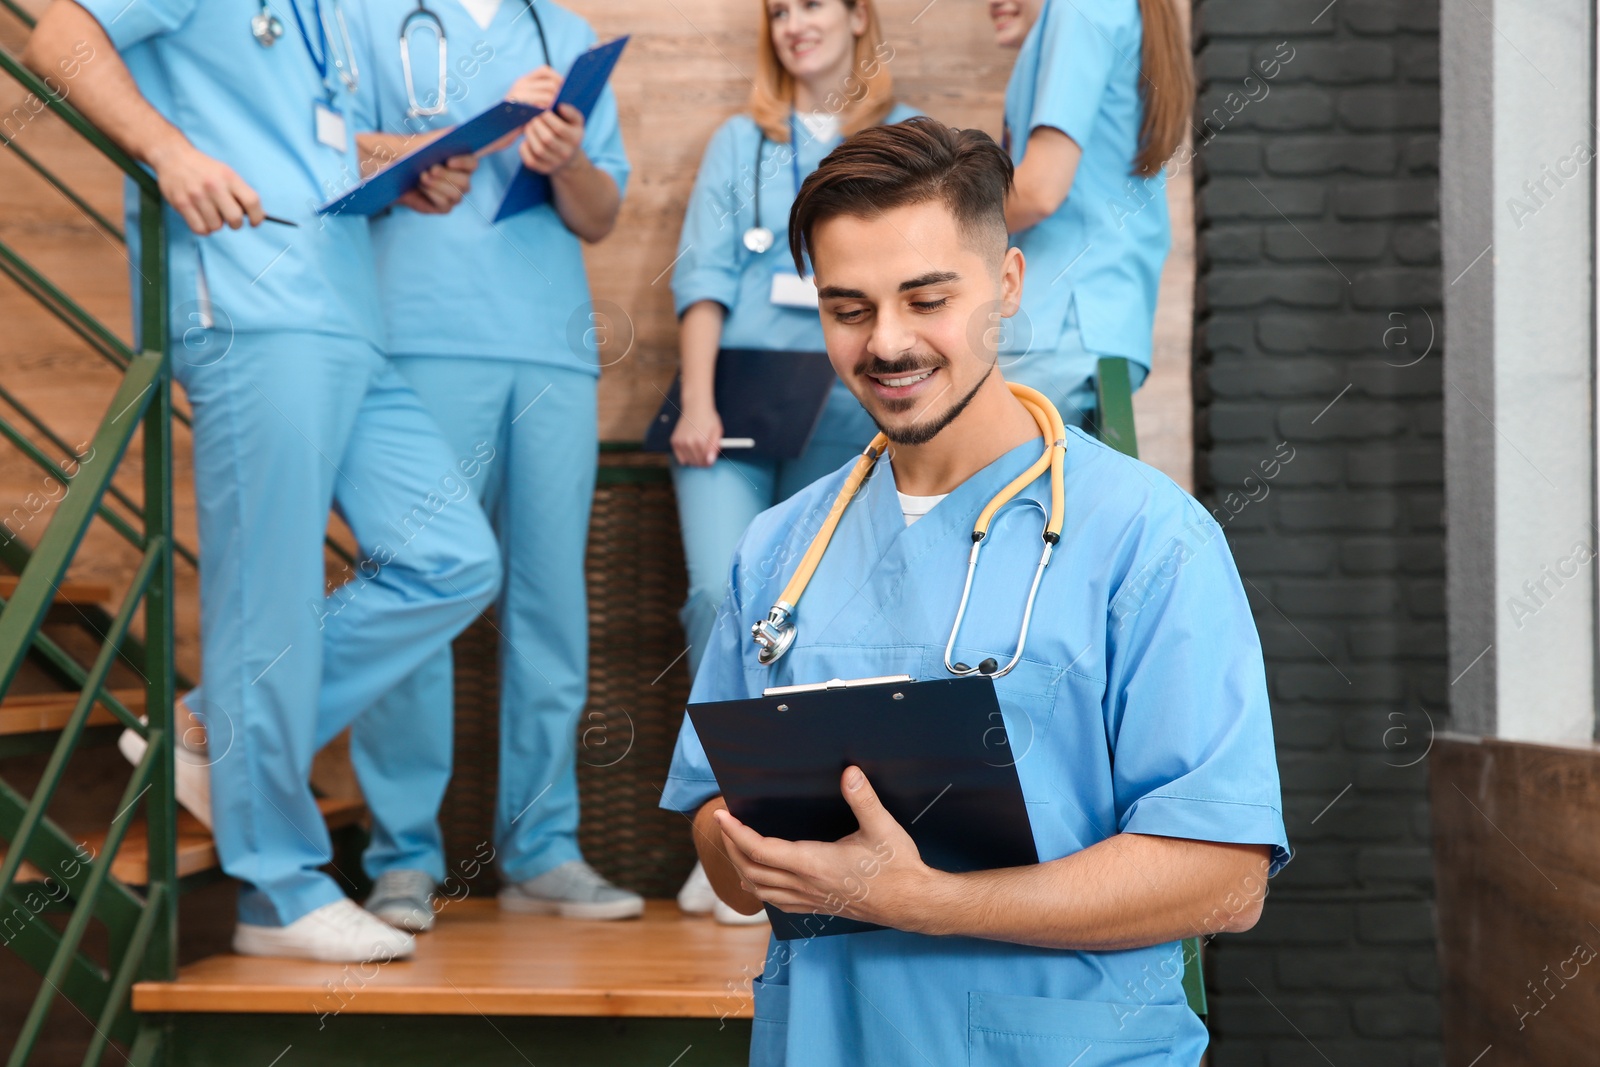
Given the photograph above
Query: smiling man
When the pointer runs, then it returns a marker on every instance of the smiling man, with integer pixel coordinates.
(1138, 710)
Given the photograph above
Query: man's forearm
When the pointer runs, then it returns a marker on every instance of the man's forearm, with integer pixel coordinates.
(586, 198)
(720, 871)
(102, 89)
(1129, 891)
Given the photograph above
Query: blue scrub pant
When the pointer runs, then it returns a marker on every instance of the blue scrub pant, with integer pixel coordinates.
(1067, 374)
(287, 425)
(540, 425)
(717, 503)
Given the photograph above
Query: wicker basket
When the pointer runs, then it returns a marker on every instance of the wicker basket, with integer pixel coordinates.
(638, 684)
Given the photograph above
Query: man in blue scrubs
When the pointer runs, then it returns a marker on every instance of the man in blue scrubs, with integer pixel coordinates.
(493, 326)
(296, 409)
(1139, 710)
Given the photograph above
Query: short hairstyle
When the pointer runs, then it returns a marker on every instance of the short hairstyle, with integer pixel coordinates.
(909, 162)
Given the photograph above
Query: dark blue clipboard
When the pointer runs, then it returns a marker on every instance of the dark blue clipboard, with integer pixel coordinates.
(936, 753)
(774, 398)
(393, 181)
(582, 88)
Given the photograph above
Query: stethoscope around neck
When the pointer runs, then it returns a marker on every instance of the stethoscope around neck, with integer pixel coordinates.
(775, 634)
(424, 14)
(267, 28)
(758, 238)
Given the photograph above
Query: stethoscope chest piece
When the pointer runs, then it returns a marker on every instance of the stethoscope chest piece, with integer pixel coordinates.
(758, 239)
(266, 27)
(774, 634)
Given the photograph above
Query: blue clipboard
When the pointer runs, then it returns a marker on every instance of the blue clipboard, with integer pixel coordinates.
(936, 752)
(393, 181)
(582, 88)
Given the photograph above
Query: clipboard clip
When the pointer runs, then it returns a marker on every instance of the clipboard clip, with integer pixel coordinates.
(834, 683)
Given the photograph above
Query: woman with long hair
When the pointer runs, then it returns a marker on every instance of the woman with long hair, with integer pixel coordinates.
(1096, 106)
(822, 73)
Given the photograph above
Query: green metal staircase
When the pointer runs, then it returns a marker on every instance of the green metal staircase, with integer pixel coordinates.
(45, 869)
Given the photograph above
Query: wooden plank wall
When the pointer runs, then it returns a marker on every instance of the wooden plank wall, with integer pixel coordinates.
(686, 71)
(1515, 828)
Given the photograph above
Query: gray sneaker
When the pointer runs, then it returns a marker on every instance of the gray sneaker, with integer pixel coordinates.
(404, 900)
(573, 890)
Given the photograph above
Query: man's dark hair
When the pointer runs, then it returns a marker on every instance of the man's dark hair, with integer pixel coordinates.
(910, 162)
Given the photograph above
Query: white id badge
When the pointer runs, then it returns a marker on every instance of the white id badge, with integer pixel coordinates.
(790, 290)
(330, 128)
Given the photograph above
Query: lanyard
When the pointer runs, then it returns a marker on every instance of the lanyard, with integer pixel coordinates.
(326, 58)
(319, 59)
(794, 170)
(794, 152)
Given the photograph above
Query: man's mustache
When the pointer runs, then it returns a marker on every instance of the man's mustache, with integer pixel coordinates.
(899, 368)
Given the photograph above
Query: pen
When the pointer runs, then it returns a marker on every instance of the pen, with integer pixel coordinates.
(280, 222)
(737, 442)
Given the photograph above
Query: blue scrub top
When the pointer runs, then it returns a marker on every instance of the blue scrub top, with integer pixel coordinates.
(1140, 706)
(713, 263)
(252, 108)
(1078, 72)
(461, 284)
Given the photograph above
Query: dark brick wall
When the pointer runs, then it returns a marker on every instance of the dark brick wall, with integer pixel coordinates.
(1319, 336)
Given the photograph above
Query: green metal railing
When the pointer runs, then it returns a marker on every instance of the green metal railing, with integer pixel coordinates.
(140, 926)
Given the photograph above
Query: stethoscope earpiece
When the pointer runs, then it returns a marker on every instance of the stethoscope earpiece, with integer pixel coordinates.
(422, 13)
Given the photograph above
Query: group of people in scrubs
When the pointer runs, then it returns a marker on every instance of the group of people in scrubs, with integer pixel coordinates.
(414, 373)
(418, 374)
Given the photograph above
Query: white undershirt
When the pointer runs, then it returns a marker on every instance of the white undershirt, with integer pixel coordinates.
(914, 507)
(482, 11)
(822, 125)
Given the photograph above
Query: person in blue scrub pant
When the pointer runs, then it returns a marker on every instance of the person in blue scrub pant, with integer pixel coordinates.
(822, 74)
(1097, 103)
(492, 324)
(277, 342)
(1138, 711)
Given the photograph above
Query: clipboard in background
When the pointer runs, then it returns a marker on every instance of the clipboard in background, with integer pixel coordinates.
(773, 398)
(393, 181)
(582, 88)
(936, 753)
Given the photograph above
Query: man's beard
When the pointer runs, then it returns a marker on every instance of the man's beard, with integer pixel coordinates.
(920, 432)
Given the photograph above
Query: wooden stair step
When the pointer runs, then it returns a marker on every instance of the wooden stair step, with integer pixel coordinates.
(71, 591)
(33, 713)
(479, 960)
(197, 850)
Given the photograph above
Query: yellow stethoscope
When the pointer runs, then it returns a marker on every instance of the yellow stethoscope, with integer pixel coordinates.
(776, 633)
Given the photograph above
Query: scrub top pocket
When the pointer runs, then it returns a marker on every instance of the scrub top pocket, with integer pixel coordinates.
(1004, 1030)
(769, 1031)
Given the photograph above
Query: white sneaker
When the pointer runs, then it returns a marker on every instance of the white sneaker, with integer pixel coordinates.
(192, 771)
(341, 932)
(404, 900)
(728, 917)
(573, 890)
(697, 897)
